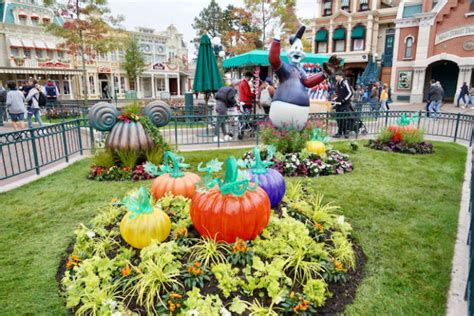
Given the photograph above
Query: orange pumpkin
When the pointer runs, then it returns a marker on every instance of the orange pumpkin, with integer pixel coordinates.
(173, 180)
(398, 131)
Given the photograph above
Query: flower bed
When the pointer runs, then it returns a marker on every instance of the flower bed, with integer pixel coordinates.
(116, 173)
(401, 147)
(303, 263)
(304, 164)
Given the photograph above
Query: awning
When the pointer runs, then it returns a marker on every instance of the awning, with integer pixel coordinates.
(34, 16)
(358, 32)
(260, 58)
(15, 42)
(27, 43)
(50, 45)
(321, 36)
(339, 34)
(39, 44)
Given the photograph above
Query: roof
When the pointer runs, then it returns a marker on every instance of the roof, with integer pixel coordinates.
(411, 10)
(10, 18)
(260, 58)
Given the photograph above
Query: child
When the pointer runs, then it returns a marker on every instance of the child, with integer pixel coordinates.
(384, 98)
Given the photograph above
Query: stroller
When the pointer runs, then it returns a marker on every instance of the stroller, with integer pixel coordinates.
(354, 119)
(247, 124)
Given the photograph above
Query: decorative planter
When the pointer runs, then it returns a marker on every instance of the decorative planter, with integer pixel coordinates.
(128, 136)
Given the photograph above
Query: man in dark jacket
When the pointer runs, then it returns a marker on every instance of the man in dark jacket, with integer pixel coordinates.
(463, 93)
(435, 95)
(225, 98)
(343, 98)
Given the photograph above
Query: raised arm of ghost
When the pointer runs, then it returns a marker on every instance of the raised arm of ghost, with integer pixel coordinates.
(314, 80)
(274, 56)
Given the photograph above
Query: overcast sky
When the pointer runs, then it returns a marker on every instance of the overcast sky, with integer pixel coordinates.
(158, 14)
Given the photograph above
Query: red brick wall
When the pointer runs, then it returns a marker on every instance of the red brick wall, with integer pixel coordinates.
(386, 75)
(404, 33)
(451, 16)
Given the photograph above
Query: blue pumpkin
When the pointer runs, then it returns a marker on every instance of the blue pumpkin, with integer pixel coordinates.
(270, 180)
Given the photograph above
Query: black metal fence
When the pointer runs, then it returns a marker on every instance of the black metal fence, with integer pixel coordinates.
(469, 296)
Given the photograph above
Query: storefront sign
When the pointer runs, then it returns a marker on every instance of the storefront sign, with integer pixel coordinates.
(50, 64)
(404, 79)
(468, 45)
(158, 66)
(104, 70)
(453, 33)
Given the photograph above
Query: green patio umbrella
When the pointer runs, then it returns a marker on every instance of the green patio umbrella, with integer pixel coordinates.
(207, 77)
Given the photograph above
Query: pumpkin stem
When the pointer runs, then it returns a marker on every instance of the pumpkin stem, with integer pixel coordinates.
(318, 135)
(175, 171)
(260, 167)
(232, 184)
(138, 203)
(231, 170)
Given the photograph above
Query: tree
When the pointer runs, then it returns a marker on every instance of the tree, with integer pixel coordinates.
(239, 34)
(208, 22)
(88, 29)
(134, 61)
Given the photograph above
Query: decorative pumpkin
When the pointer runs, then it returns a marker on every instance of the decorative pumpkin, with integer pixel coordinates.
(232, 209)
(316, 144)
(143, 222)
(403, 125)
(268, 179)
(127, 134)
(172, 180)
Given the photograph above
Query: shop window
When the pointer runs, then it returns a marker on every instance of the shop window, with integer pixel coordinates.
(363, 5)
(60, 54)
(321, 40)
(14, 51)
(160, 84)
(122, 84)
(327, 7)
(322, 47)
(346, 5)
(91, 85)
(46, 20)
(471, 6)
(34, 20)
(409, 47)
(39, 53)
(358, 38)
(339, 38)
(66, 87)
(22, 19)
(27, 53)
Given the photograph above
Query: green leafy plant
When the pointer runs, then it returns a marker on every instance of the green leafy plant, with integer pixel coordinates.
(316, 291)
(155, 155)
(412, 137)
(154, 133)
(158, 276)
(334, 271)
(241, 253)
(195, 275)
(209, 305)
(226, 277)
(286, 141)
(238, 306)
(385, 135)
(297, 303)
(128, 158)
(104, 158)
(172, 303)
(343, 250)
(208, 251)
(133, 108)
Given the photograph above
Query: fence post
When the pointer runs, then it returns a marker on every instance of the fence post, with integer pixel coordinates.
(78, 122)
(419, 119)
(458, 116)
(218, 121)
(386, 118)
(176, 132)
(65, 142)
(35, 151)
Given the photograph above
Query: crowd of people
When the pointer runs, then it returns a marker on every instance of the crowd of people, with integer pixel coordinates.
(27, 100)
(466, 95)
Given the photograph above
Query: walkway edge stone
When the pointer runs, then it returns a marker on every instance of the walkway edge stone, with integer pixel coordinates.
(456, 305)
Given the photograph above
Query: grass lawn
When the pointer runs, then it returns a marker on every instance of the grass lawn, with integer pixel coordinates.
(403, 208)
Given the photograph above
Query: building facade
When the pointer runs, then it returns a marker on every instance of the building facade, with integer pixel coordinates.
(356, 30)
(27, 51)
(433, 40)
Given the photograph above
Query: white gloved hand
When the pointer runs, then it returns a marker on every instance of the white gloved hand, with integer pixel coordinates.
(278, 30)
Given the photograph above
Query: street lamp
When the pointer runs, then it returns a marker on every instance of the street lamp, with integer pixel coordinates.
(217, 46)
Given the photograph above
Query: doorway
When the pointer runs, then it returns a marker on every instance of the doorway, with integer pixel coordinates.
(173, 86)
(446, 72)
(104, 86)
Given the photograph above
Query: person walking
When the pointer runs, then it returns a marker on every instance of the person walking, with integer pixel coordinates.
(343, 98)
(463, 93)
(15, 102)
(246, 95)
(51, 92)
(435, 95)
(32, 100)
(266, 97)
(374, 98)
(472, 95)
(225, 99)
(384, 98)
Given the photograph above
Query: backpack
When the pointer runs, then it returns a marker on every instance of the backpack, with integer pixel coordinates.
(265, 98)
(50, 91)
(42, 99)
(3, 96)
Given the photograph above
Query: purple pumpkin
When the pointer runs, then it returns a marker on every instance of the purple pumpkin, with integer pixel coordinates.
(270, 180)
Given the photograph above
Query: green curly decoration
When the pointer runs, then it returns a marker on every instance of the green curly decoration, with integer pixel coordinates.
(318, 135)
(138, 203)
(233, 183)
(211, 166)
(404, 120)
(177, 164)
(260, 166)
